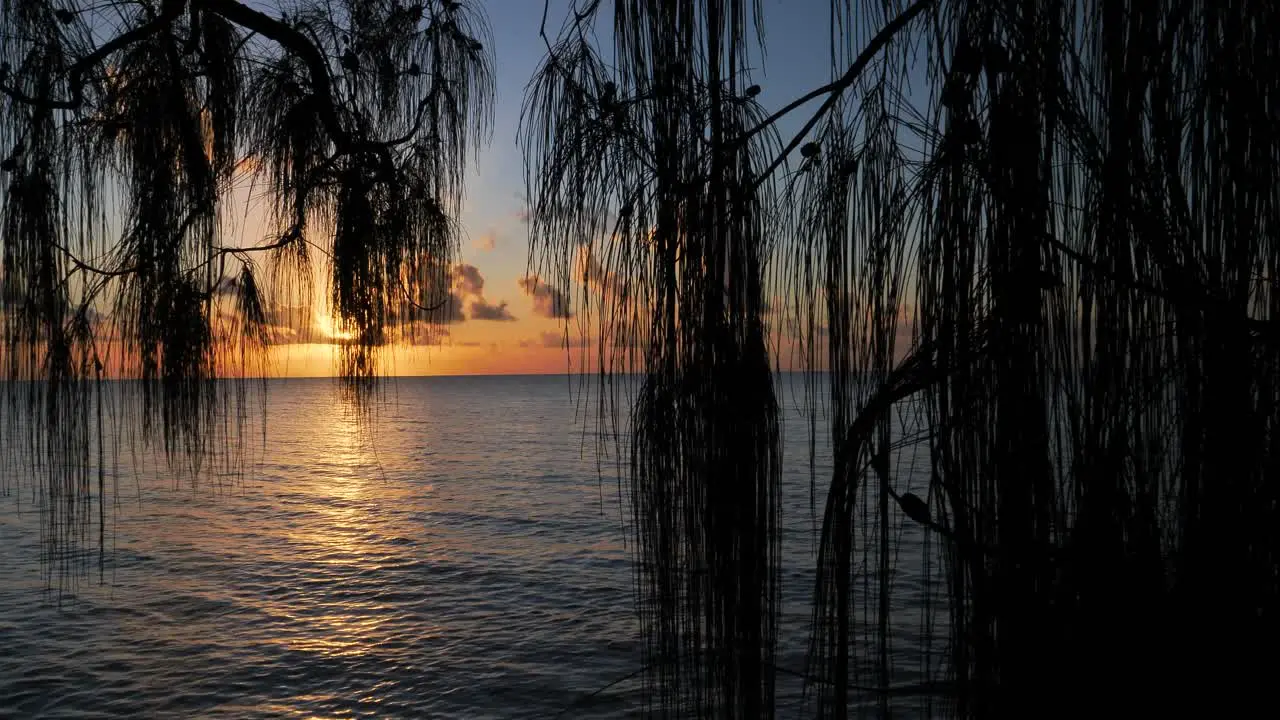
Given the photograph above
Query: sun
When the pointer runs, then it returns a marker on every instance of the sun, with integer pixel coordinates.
(333, 329)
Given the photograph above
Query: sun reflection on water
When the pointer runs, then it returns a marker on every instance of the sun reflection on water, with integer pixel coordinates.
(344, 531)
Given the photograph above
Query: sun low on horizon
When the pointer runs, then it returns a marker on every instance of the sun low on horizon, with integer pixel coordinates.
(482, 330)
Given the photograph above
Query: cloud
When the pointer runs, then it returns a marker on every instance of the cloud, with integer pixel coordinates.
(467, 278)
(449, 312)
(227, 285)
(628, 335)
(548, 301)
(289, 325)
(488, 241)
(468, 282)
(561, 341)
(422, 334)
(296, 325)
(523, 212)
(591, 273)
(481, 310)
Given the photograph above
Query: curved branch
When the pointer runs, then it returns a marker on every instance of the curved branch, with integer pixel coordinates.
(287, 37)
(306, 50)
(93, 269)
(837, 88)
(171, 10)
(293, 234)
(300, 46)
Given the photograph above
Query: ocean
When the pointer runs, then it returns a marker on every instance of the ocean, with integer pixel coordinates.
(461, 552)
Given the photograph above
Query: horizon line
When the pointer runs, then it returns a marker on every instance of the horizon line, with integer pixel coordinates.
(568, 374)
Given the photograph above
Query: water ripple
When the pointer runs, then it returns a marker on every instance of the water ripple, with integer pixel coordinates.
(467, 563)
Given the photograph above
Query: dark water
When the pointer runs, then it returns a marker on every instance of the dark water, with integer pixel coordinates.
(465, 559)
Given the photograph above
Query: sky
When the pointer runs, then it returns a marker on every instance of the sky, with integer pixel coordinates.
(494, 235)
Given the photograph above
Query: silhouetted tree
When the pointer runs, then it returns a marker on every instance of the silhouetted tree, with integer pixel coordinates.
(1075, 238)
(649, 152)
(129, 132)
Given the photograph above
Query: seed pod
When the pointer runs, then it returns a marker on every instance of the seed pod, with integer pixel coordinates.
(1048, 280)
(967, 131)
(350, 62)
(10, 163)
(956, 93)
(997, 59)
(966, 59)
(608, 97)
(915, 508)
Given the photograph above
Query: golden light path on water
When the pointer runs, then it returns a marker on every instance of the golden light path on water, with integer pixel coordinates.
(340, 535)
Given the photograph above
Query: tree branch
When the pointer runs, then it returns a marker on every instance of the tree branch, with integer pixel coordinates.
(300, 46)
(295, 42)
(837, 88)
(169, 11)
(287, 37)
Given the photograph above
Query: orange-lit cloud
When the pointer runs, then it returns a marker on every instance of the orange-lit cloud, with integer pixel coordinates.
(588, 270)
(468, 279)
(487, 241)
(556, 340)
(482, 310)
(548, 300)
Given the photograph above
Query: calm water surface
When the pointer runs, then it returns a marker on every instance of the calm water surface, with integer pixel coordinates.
(464, 559)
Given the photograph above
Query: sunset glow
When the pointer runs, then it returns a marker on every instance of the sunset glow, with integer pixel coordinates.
(332, 329)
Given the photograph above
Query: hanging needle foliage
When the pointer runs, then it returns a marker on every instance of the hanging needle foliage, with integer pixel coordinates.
(1046, 230)
(633, 162)
(134, 133)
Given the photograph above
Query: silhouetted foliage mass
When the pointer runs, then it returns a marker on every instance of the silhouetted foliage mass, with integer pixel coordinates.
(1046, 232)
